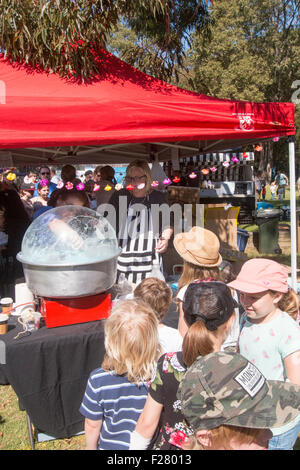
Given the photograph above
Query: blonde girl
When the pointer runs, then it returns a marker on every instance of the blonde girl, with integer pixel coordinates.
(199, 249)
(116, 393)
(43, 196)
(270, 336)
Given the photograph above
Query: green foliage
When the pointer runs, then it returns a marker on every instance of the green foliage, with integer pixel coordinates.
(162, 54)
(64, 35)
(253, 54)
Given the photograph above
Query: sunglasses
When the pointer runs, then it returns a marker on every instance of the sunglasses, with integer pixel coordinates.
(45, 173)
(135, 179)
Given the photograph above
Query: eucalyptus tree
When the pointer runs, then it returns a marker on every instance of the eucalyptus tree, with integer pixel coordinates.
(253, 54)
(64, 36)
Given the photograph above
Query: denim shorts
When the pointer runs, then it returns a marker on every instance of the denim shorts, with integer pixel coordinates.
(286, 440)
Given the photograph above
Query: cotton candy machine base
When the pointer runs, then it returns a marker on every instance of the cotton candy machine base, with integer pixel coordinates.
(69, 257)
(61, 312)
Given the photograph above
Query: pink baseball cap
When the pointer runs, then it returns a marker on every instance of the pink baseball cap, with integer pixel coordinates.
(259, 275)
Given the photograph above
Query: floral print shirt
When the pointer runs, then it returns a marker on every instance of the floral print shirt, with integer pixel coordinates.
(172, 429)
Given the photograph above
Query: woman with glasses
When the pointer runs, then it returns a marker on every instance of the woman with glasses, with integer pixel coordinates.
(142, 229)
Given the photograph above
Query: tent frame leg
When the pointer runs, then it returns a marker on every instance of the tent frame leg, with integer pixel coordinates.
(30, 431)
(292, 181)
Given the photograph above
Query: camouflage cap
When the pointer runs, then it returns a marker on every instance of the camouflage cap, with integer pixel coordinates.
(225, 388)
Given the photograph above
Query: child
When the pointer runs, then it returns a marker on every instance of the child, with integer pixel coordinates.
(74, 197)
(273, 189)
(199, 249)
(270, 336)
(116, 393)
(230, 405)
(209, 310)
(42, 198)
(157, 294)
(263, 192)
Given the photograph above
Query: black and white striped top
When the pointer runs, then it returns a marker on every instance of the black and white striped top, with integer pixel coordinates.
(137, 233)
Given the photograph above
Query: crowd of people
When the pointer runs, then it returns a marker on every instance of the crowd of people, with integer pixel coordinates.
(228, 377)
(277, 186)
(23, 199)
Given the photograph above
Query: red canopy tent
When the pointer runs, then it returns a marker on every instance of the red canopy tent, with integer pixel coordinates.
(124, 114)
(125, 106)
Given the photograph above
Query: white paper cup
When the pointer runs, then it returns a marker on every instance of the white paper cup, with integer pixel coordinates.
(3, 323)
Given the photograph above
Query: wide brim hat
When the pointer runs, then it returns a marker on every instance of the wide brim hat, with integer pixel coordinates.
(224, 388)
(199, 246)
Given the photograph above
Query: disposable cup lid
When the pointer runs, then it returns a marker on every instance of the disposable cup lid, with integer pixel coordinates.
(6, 301)
(3, 317)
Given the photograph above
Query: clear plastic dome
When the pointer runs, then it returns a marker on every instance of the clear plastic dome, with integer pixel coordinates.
(68, 235)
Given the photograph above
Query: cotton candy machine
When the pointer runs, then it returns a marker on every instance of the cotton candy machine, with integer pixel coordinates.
(69, 257)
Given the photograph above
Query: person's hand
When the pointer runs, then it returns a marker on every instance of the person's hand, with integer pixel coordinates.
(162, 245)
(75, 240)
(66, 234)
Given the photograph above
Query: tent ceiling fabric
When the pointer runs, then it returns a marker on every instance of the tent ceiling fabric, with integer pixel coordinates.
(114, 154)
(122, 115)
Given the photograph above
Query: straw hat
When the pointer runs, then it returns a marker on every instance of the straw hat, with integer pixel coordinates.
(199, 246)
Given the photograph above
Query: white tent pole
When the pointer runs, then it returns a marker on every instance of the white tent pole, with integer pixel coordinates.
(292, 182)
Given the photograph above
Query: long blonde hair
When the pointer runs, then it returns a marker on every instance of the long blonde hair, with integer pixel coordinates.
(289, 303)
(131, 341)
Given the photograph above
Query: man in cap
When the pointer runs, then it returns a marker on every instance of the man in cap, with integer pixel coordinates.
(44, 174)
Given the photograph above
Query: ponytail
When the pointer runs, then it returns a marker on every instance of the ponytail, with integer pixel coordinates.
(289, 303)
(196, 342)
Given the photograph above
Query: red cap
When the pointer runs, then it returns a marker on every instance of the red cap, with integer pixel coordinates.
(259, 275)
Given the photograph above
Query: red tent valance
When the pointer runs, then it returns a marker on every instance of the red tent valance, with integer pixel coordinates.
(123, 105)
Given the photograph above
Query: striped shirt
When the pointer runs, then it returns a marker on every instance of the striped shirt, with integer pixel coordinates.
(118, 403)
(139, 223)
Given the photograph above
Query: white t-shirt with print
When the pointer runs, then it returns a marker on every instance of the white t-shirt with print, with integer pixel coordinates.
(170, 339)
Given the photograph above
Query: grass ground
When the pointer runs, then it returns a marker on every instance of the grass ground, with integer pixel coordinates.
(13, 429)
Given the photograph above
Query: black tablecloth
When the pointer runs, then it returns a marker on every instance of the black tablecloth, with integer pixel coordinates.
(48, 371)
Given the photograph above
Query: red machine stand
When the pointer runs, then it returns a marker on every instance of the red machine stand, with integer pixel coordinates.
(61, 312)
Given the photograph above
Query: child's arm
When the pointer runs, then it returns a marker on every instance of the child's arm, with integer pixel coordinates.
(92, 432)
(146, 425)
(292, 367)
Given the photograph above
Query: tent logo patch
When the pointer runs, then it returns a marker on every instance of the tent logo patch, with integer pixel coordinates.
(246, 122)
